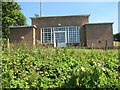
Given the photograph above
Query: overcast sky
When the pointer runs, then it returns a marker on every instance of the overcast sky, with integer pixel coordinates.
(99, 11)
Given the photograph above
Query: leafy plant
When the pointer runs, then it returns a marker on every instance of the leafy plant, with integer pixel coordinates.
(24, 67)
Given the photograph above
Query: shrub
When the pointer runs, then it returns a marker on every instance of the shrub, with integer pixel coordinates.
(25, 67)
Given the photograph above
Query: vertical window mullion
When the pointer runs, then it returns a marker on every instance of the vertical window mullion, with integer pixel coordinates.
(51, 35)
(47, 37)
(79, 34)
(76, 34)
(68, 33)
(43, 36)
(41, 30)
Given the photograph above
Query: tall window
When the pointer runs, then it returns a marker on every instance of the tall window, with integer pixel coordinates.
(72, 33)
(46, 35)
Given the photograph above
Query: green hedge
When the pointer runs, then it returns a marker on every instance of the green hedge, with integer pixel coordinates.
(59, 68)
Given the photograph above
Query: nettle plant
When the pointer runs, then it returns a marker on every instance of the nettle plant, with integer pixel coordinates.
(25, 67)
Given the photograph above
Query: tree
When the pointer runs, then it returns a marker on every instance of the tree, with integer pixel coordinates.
(11, 16)
(117, 37)
(37, 15)
(0, 23)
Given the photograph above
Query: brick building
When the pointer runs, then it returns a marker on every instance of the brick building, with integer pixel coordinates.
(64, 30)
(23, 34)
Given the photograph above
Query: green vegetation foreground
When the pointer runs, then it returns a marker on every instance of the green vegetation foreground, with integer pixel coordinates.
(25, 67)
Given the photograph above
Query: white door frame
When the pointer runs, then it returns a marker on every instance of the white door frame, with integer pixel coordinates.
(59, 32)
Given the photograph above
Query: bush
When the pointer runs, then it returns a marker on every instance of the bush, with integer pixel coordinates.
(25, 67)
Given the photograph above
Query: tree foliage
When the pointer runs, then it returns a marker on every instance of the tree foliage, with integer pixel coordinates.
(117, 37)
(0, 10)
(37, 15)
(11, 16)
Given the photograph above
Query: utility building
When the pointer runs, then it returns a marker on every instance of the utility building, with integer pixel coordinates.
(60, 31)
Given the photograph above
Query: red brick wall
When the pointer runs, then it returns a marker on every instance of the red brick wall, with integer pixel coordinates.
(99, 35)
(83, 35)
(16, 35)
(64, 21)
(54, 21)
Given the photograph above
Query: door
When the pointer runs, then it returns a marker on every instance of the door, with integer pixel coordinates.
(59, 38)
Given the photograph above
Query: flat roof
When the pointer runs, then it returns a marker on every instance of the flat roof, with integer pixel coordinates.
(99, 23)
(33, 26)
(87, 15)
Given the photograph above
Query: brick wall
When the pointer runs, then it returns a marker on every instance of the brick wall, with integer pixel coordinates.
(99, 35)
(42, 22)
(63, 20)
(83, 35)
(22, 35)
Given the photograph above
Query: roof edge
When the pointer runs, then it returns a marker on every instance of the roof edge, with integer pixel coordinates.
(99, 23)
(61, 16)
(33, 26)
